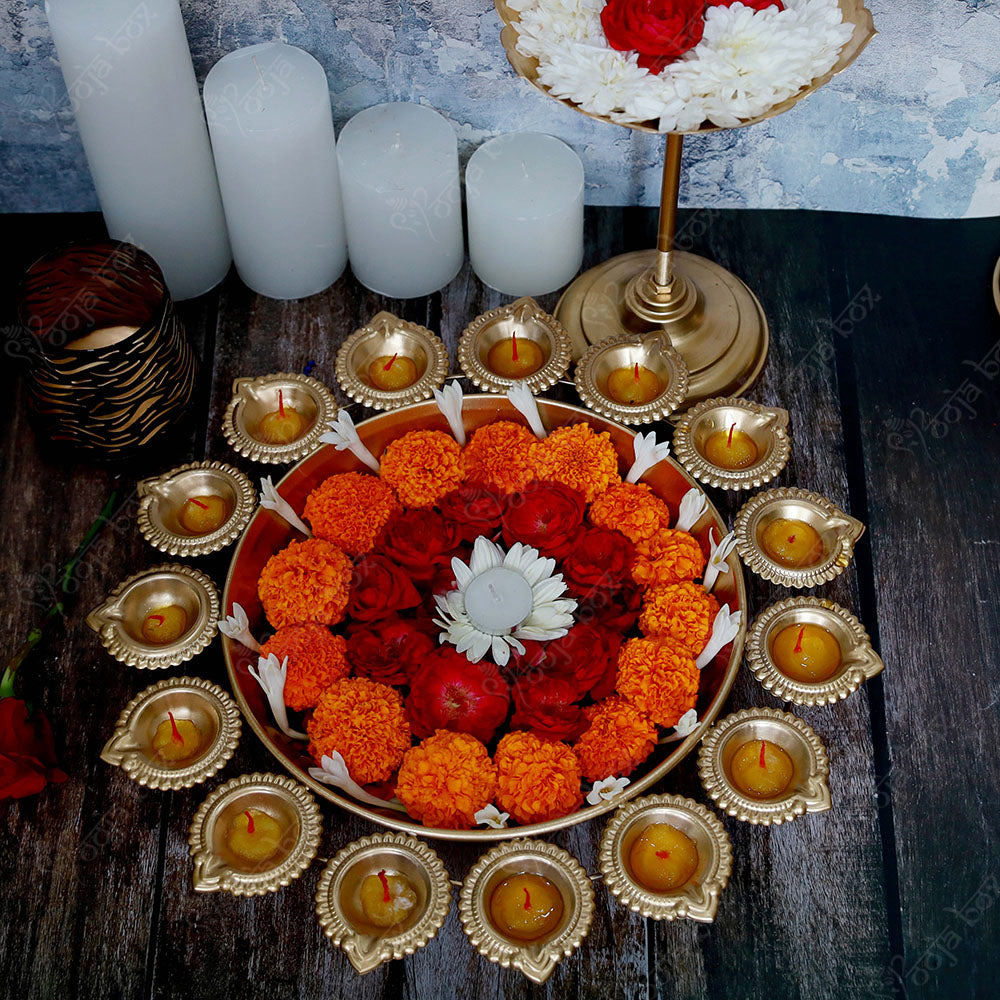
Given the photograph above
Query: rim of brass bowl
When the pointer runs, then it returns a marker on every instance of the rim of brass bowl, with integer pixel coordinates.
(807, 506)
(667, 478)
(996, 285)
(367, 950)
(213, 873)
(652, 352)
(356, 354)
(698, 898)
(808, 791)
(766, 425)
(108, 622)
(154, 528)
(859, 661)
(854, 12)
(521, 311)
(238, 435)
(129, 743)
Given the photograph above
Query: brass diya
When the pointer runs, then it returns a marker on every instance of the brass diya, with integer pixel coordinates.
(765, 426)
(388, 336)
(698, 898)
(195, 713)
(617, 353)
(807, 791)
(187, 595)
(535, 958)
(858, 661)
(524, 319)
(257, 399)
(165, 503)
(290, 811)
(838, 532)
(340, 907)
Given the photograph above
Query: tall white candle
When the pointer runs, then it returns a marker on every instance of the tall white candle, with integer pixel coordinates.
(269, 116)
(525, 201)
(131, 84)
(402, 201)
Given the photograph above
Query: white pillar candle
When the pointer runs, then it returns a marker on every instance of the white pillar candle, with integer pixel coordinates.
(402, 201)
(498, 600)
(525, 201)
(133, 90)
(269, 116)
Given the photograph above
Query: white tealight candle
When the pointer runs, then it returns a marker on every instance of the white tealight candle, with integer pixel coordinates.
(525, 202)
(402, 202)
(269, 117)
(498, 600)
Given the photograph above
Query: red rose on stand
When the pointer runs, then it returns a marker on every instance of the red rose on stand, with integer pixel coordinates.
(379, 588)
(27, 751)
(419, 540)
(475, 509)
(547, 707)
(546, 516)
(661, 31)
(600, 558)
(389, 651)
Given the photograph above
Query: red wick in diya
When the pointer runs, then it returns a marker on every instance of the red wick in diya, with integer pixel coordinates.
(156, 618)
(281, 403)
(385, 886)
(513, 347)
(198, 503)
(763, 747)
(636, 371)
(527, 900)
(729, 443)
(175, 733)
(798, 642)
(391, 362)
(246, 813)
(791, 539)
(663, 854)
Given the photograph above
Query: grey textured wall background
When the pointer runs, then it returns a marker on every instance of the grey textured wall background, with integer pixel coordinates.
(912, 128)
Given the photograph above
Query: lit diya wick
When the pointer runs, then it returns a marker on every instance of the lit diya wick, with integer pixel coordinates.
(515, 358)
(761, 770)
(281, 426)
(633, 386)
(526, 907)
(164, 625)
(176, 739)
(203, 514)
(791, 542)
(387, 900)
(254, 835)
(731, 449)
(808, 652)
(662, 858)
(392, 373)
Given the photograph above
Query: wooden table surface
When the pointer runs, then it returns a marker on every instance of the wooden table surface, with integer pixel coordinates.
(877, 326)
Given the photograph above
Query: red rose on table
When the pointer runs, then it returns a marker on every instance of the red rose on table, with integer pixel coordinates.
(378, 588)
(27, 751)
(475, 509)
(659, 30)
(600, 558)
(419, 540)
(546, 706)
(544, 515)
(389, 651)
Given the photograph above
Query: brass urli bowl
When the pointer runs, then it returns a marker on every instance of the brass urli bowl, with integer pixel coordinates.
(267, 533)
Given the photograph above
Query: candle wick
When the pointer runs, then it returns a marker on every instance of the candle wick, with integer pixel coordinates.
(527, 900)
(729, 444)
(175, 734)
(637, 371)
(513, 346)
(663, 854)
(386, 367)
(397, 144)
(493, 593)
(265, 87)
(281, 404)
(798, 642)
(198, 503)
(763, 747)
(524, 171)
(250, 826)
(791, 539)
(385, 886)
(158, 619)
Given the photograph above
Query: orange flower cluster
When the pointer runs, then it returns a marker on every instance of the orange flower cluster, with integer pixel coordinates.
(683, 611)
(421, 466)
(365, 723)
(618, 739)
(305, 582)
(578, 457)
(659, 677)
(631, 508)
(446, 780)
(537, 779)
(497, 456)
(315, 660)
(350, 510)
(669, 556)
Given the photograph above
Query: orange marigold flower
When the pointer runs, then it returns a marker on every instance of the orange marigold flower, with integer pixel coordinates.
(578, 457)
(305, 582)
(683, 611)
(631, 508)
(669, 556)
(446, 780)
(618, 739)
(316, 658)
(498, 456)
(350, 510)
(659, 677)
(421, 466)
(537, 779)
(365, 723)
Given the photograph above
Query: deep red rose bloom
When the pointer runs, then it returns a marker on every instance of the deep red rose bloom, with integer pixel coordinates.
(475, 509)
(547, 707)
(599, 558)
(580, 657)
(755, 4)
(545, 515)
(617, 610)
(379, 588)
(449, 692)
(659, 30)
(27, 751)
(389, 651)
(419, 541)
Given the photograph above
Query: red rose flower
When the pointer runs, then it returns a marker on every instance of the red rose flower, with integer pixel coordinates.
(544, 515)
(389, 651)
(379, 588)
(546, 707)
(600, 558)
(474, 509)
(755, 4)
(617, 610)
(580, 657)
(27, 751)
(418, 540)
(659, 30)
